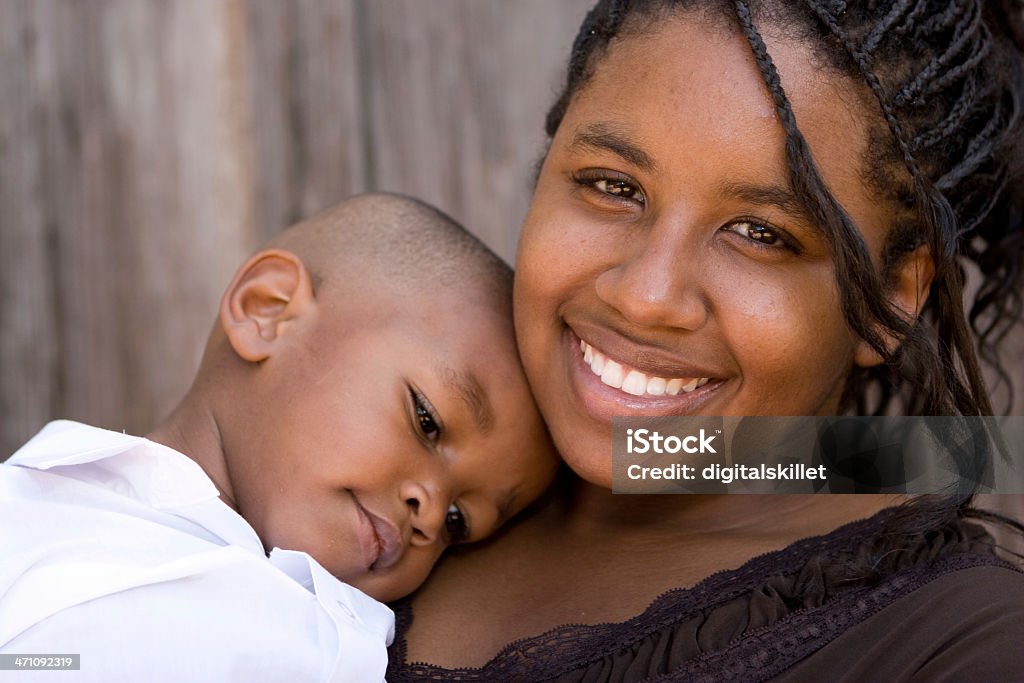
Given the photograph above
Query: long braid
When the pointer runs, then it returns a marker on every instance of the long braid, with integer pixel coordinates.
(887, 22)
(954, 120)
(911, 19)
(853, 266)
(972, 43)
(970, 33)
(961, 391)
(942, 20)
(940, 224)
(864, 293)
(863, 60)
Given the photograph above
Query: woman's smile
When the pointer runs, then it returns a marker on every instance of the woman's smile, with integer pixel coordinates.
(633, 381)
(616, 376)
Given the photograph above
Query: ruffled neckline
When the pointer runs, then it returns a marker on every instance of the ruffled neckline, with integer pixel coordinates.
(758, 594)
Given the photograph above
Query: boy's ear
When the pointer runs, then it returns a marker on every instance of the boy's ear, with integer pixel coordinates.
(908, 294)
(268, 292)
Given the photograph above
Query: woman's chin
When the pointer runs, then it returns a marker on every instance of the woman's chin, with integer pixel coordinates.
(600, 477)
(589, 459)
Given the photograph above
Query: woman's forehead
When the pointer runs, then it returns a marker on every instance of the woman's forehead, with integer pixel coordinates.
(687, 70)
(690, 98)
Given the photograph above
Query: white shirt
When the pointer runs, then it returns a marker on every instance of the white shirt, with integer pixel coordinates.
(119, 549)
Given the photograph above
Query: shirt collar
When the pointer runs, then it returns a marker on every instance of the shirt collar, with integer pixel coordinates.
(161, 476)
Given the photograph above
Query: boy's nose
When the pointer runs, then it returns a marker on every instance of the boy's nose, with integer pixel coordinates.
(427, 503)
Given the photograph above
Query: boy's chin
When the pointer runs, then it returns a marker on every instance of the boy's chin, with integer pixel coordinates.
(385, 588)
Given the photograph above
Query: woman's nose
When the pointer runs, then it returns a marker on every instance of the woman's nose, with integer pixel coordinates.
(656, 286)
(427, 504)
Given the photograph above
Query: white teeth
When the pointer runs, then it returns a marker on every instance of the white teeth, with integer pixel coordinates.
(635, 382)
(612, 374)
(656, 386)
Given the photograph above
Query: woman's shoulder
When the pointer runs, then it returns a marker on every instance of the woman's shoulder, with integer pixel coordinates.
(785, 613)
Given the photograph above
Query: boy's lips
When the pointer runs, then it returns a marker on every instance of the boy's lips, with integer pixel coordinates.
(380, 540)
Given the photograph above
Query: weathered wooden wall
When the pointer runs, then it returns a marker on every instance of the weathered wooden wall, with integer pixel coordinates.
(146, 146)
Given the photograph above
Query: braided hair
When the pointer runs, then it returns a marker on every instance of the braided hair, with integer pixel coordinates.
(948, 80)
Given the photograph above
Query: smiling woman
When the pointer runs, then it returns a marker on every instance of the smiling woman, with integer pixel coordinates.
(665, 236)
(754, 209)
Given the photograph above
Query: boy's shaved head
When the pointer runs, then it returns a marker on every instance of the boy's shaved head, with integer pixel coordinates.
(384, 253)
(392, 241)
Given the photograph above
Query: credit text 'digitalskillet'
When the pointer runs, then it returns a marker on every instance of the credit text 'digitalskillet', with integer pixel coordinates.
(763, 454)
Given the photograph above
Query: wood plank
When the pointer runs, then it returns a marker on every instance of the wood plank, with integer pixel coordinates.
(308, 130)
(147, 179)
(28, 322)
(458, 90)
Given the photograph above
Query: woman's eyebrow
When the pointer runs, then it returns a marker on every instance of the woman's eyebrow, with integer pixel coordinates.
(781, 198)
(608, 137)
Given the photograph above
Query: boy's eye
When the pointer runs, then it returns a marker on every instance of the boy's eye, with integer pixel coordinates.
(426, 419)
(427, 424)
(455, 524)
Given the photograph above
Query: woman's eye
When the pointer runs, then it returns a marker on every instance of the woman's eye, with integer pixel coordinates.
(426, 420)
(619, 188)
(756, 232)
(608, 183)
(455, 524)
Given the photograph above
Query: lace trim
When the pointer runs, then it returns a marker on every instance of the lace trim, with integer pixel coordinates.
(571, 647)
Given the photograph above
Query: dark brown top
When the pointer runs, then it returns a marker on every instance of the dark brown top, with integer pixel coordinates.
(941, 607)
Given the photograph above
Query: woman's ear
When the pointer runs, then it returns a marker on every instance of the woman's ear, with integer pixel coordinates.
(267, 294)
(909, 291)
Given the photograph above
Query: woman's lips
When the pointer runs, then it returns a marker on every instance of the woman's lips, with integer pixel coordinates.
(634, 381)
(610, 387)
(380, 540)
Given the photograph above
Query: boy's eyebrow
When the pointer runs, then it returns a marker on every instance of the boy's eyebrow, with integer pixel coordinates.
(472, 394)
(605, 136)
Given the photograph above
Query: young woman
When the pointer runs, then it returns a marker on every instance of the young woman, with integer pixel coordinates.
(754, 209)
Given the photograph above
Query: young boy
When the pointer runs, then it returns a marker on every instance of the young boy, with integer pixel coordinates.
(359, 407)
